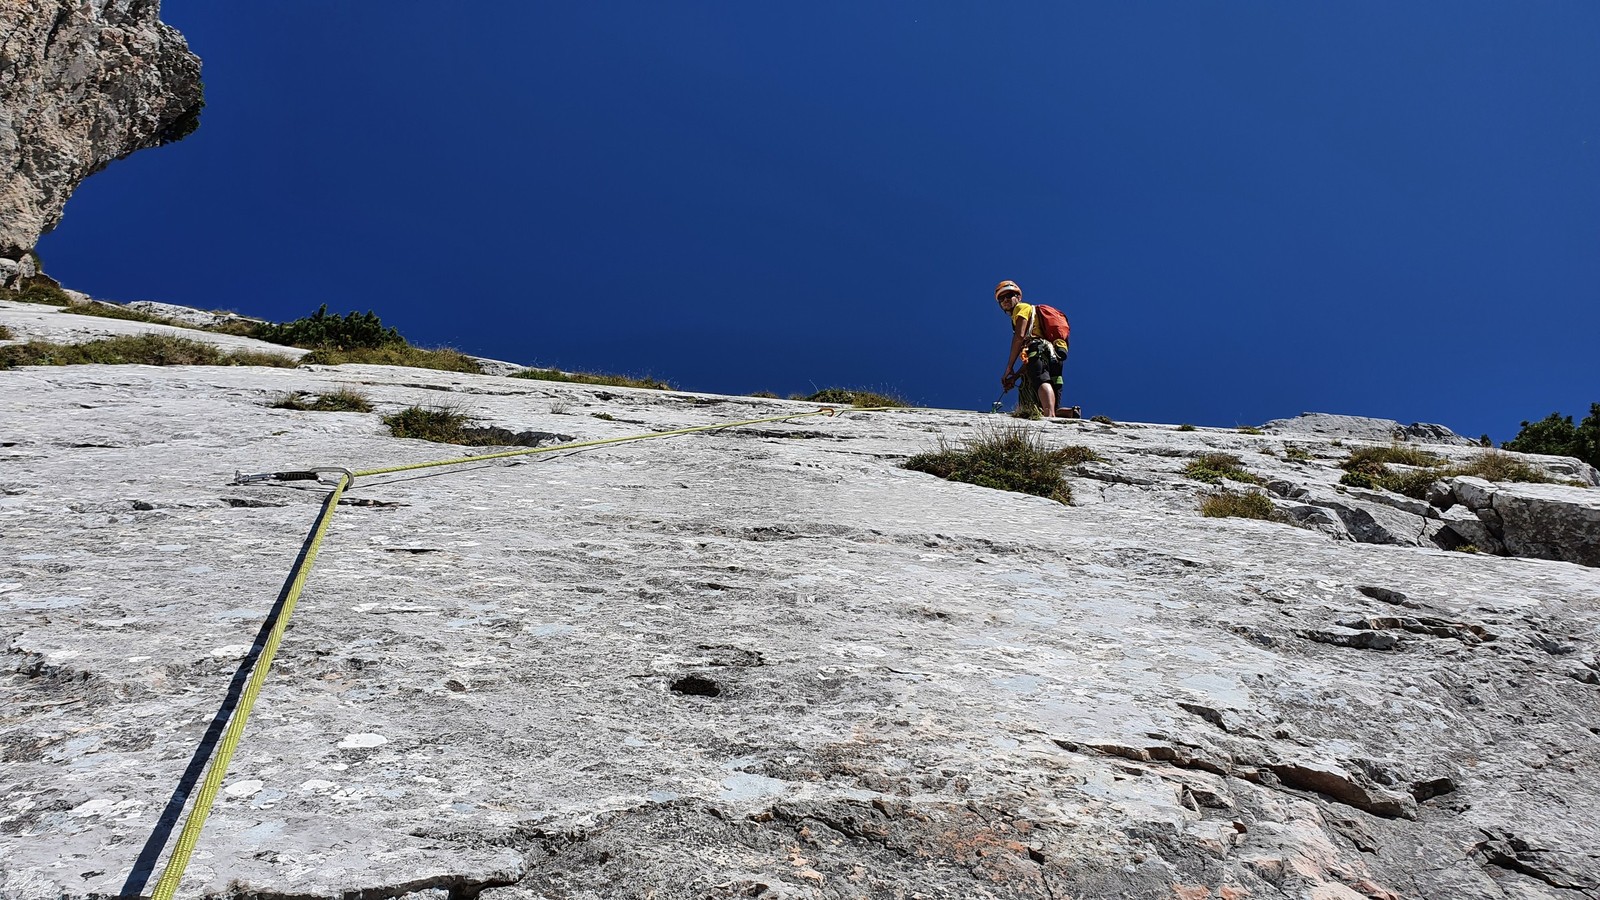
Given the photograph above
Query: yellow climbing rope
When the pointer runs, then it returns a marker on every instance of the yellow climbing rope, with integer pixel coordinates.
(167, 885)
(217, 770)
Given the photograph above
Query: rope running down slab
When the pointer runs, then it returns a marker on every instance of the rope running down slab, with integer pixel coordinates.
(189, 837)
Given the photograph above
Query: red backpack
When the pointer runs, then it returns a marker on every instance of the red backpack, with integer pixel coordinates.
(1053, 326)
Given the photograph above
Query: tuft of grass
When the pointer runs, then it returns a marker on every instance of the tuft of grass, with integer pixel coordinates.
(440, 424)
(1212, 468)
(1413, 483)
(135, 349)
(1359, 479)
(1029, 412)
(1234, 504)
(765, 395)
(443, 359)
(1186, 427)
(341, 400)
(6, 335)
(452, 425)
(1250, 429)
(606, 416)
(1103, 420)
(1006, 459)
(112, 311)
(235, 327)
(1297, 454)
(1374, 460)
(1496, 465)
(1490, 465)
(592, 378)
(1077, 455)
(850, 397)
(1467, 548)
(40, 290)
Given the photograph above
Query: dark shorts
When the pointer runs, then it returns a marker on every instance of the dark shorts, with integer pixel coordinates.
(1044, 362)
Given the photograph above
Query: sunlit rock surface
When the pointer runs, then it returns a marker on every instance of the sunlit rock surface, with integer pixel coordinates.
(82, 83)
(760, 662)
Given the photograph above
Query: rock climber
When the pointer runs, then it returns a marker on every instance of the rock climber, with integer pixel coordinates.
(1039, 337)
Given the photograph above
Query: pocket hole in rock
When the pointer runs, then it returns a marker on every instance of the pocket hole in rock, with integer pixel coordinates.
(696, 686)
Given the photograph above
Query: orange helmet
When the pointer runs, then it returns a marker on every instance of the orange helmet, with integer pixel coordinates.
(1006, 287)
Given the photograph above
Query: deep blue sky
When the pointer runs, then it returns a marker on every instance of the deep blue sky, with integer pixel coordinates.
(1248, 209)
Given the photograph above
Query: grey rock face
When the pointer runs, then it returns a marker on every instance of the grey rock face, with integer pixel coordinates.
(762, 662)
(82, 83)
(185, 314)
(1543, 521)
(1363, 428)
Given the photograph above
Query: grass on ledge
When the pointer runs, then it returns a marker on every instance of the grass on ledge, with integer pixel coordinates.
(135, 349)
(6, 335)
(592, 378)
(1240, 505)
(1362, 470)
(1373, 460)
(111, 311)
(1006, 459)
(39, 291)
(851, 397)
(341, 400)
(444, 359)
(1212, 468)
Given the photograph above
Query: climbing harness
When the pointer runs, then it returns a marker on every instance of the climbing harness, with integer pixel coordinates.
(167, 885)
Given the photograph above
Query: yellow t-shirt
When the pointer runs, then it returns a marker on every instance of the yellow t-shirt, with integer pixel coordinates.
(1023, 312)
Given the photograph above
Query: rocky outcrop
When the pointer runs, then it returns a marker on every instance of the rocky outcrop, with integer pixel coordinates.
(1541, 521)
(82, 83)
(1362, 428)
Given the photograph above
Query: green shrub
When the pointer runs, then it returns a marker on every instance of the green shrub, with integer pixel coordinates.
(1250, 429)
(1212, 468)
(139, 349)
(440, 424)
(1466, 548)
(40, 290)
(1297, 454)
(592, 378)
(1555, 435)
(443, 359)
(1186, 427)
(320, 331)
(341, 400)
(6, 335)
(1234, 504)
(1006, 459)
(855, 398)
